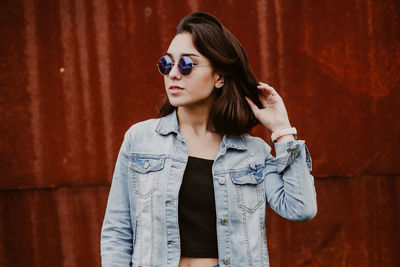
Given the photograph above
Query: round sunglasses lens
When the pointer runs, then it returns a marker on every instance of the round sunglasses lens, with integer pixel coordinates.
(185, 65)
(164, 65)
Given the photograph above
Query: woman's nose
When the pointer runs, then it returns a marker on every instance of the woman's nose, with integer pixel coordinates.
(174, 73)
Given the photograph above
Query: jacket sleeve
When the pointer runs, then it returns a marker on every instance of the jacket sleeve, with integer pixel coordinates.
(289, 185)
(116, 234)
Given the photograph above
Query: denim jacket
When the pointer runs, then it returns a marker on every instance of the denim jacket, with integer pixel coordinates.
(140, 227)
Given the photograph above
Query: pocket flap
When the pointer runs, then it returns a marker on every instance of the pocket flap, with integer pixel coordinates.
(249, 176)
(146, 163)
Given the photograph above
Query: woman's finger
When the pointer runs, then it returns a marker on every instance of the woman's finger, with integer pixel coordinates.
(268, 91)
(265, 92)
(253, 106)
(266, 88)
(264, 85)
(264, 97)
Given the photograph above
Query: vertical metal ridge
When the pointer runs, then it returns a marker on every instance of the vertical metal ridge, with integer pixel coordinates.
(70, 87)
(279, 33)
(263, 37)
(90, 216)
(162, 21)
(102, 49)
(381, 90)
(33, 88)
(66, 225)
(33, 217)
(3, 242)
(88, 114)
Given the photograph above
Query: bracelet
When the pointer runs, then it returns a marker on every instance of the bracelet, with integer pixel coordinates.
(279, 133)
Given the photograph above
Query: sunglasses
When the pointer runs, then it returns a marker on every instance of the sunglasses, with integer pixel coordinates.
(185, 65)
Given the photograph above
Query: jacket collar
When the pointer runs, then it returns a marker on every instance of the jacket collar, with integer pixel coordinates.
(169, 124)
(235, 142)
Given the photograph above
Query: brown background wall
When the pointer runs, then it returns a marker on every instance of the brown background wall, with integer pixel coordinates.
(75, 74)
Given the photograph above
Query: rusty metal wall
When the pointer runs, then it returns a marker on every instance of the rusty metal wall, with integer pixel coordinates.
(75, 74)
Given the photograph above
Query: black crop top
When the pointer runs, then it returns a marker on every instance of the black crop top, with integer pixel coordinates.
(196, 210)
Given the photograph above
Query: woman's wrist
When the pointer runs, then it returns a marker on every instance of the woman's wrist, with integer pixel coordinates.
(285, 138)
(279, 126)
(285, 134)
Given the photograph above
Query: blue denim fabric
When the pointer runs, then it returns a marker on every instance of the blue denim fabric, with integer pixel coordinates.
(140, 226)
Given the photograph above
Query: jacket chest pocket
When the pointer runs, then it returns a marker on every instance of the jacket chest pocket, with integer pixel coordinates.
(145, 171)
(250, 190)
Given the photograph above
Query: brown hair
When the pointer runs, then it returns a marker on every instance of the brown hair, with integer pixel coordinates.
(230, 113)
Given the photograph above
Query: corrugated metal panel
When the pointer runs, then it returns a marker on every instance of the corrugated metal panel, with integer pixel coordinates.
(43, 227)
(356, 225)
(74, 75)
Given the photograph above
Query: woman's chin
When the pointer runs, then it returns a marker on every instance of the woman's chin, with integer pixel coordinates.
(174, 101)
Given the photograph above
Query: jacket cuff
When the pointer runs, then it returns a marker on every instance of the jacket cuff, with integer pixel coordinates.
(287, 152)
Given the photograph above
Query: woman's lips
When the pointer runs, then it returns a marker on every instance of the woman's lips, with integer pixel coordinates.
(175, 89)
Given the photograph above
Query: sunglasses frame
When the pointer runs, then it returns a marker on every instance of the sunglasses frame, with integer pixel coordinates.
(185, 65)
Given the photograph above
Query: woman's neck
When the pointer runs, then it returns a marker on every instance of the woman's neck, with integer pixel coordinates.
(200, 141)
(193, 119)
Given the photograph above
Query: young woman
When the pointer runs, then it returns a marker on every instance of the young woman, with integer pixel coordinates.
(190, 189)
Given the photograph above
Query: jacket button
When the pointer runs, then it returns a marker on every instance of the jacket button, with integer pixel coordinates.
(293, 149)
(170, 202)
(146, 165)
(224, 221)
(227, 261)
(221, 180)
(173, 243)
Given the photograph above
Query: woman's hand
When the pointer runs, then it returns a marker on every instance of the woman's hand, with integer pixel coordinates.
(273, 114)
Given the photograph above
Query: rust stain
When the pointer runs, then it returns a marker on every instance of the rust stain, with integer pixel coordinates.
(354, 72)
(363, 58)
(194, 5)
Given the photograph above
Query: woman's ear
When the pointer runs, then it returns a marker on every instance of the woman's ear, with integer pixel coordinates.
(220, 81)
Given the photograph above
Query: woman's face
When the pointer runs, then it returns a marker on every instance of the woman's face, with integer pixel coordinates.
(196, 88)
